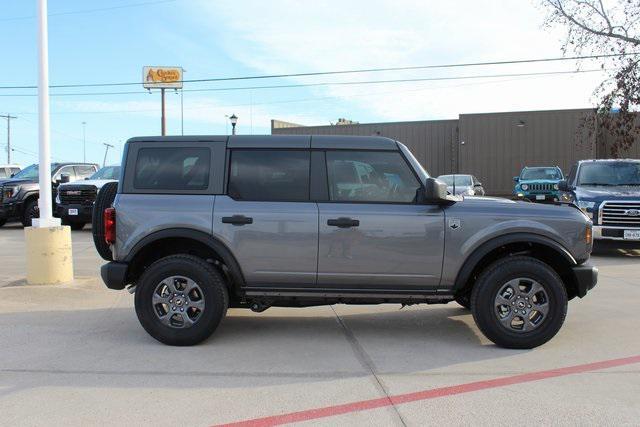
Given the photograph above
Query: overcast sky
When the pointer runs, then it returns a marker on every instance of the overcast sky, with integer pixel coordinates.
(239, 38)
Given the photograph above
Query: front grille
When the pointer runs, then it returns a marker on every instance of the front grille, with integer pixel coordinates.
(78, 194)
(540, 187)
(621, 213)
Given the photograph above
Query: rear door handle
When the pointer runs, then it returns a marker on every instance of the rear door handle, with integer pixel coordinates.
(343, 222)
(237, 220)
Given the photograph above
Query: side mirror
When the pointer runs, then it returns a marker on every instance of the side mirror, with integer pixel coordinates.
(478, 185)
(64, 178)
(563, 185)
(12, 175)
(516, 179)
(436, 192)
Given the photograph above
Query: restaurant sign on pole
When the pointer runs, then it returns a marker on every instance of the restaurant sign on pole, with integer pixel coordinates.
(162, 78)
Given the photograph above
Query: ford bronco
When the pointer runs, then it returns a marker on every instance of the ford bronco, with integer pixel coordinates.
(199, 224)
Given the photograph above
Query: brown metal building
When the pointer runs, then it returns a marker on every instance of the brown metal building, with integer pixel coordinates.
(492, 146)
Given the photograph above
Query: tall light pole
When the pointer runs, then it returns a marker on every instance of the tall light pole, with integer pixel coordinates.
(234, 120)
(44, 132)
(84, 142)
(47, 244)
(8, 117)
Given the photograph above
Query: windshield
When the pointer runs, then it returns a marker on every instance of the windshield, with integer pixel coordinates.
(609, 173)
(461, 180)
(108, 172)
(541, 173)
(30, 172)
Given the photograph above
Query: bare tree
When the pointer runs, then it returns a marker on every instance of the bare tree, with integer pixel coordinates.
(606, 27)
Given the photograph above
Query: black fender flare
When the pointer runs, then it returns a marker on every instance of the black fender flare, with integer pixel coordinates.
(185, 233)
(485, 248)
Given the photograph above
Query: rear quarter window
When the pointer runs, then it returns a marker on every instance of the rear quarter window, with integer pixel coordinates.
(172, 169)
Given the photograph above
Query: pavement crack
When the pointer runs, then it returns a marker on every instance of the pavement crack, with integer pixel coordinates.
(366, 362)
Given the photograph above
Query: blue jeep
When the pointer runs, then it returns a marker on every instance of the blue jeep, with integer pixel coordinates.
(538, 184)
(608, 191)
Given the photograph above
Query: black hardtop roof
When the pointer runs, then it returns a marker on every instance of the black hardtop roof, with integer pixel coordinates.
(282, 141)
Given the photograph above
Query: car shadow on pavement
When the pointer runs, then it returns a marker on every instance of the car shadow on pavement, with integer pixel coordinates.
(616, 249)
(107, 347)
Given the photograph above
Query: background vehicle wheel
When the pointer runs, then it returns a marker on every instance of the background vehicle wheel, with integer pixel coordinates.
(30, 212)
(464, 300)
(105, 198)
(2, 222)
(77, 225)
(181, 299)
(519, 302)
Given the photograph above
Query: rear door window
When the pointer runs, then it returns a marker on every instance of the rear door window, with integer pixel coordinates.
(3, 173)
(172, 169)
(269, 175)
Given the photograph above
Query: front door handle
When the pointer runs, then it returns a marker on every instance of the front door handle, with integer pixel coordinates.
(237, 220)
(343, 222)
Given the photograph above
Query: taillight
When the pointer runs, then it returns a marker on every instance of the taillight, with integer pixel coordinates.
(110, 225)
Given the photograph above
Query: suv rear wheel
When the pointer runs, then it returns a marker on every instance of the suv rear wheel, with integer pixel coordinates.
(519, 302)
(181, 299)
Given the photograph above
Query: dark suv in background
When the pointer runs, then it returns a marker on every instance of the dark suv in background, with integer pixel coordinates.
(19, 194)
(608, 191)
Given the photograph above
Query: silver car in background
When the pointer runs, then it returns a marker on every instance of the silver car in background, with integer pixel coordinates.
(462, 184)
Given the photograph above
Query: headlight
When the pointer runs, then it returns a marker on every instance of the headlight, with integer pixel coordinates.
(10, 191)
(525, 187)
(556, 186)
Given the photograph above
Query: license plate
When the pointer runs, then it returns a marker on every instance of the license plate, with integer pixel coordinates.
(540, 196)
(73, 211)
(631, 234)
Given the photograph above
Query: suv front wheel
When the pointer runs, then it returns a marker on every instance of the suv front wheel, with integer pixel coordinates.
(181, 299)
(519, 302)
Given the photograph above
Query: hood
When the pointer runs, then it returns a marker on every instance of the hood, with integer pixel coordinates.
(599, 193)
(539, 181)
(98, 183)
(16, 181)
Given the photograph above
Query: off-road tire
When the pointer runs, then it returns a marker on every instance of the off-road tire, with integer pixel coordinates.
(492, 279)
(215, 294)
(30, 212)
(105, 198)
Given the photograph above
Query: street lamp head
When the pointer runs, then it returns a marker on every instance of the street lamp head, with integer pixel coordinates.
(234, 119)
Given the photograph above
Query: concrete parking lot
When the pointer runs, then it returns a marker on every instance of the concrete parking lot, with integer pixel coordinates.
(75, 354)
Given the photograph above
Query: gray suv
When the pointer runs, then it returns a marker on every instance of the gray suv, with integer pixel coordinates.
(202, 223)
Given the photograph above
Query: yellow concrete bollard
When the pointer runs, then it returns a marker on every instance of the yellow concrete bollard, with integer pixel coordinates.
(49, 255)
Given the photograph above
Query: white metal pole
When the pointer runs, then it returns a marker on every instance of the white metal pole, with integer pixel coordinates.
(44, 156)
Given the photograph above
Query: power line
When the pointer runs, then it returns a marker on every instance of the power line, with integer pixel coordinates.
(324, 73)
(350, 83)
(101, 9)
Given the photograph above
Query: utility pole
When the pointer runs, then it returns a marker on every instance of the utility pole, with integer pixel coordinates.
(8, 117)
(106, 150)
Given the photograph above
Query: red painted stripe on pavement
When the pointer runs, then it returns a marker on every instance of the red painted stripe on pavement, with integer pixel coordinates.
(330, 411)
